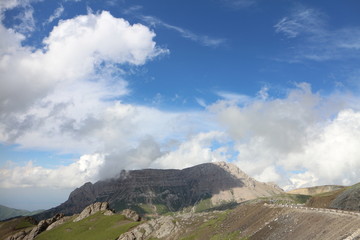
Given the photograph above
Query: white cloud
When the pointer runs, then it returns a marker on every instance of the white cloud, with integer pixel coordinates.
(301, 21)
(239, 4)
(332, 155)
(301, 140)
(85, 169)
(185, 33)
(234, 97)
(74, 51)
(317, 41)
(57, 14)
(8, 4)
(27, 21)
(198, 149)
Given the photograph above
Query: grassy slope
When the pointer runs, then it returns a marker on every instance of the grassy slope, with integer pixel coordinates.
(94, 227)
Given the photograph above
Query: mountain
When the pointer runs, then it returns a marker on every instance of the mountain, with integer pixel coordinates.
(6, 212)
(158, 191)
(315, 190)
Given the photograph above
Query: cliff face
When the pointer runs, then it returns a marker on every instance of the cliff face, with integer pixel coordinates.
(172, 189)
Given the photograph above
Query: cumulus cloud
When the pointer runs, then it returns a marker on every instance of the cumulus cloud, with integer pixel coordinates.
(331, 155)
(73, 51)
(301, 140)
(66, 85)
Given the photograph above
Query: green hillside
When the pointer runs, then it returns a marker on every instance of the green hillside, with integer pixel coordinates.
(6, 212)
(97, 226)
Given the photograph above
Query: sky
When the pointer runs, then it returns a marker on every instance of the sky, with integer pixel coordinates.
(90, 87)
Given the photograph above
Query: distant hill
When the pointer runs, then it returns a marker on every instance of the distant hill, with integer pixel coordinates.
(315, 190)
(155, 191)
(348, 199)
(6, 212)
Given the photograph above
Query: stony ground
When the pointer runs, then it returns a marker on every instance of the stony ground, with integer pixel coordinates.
(263, 221)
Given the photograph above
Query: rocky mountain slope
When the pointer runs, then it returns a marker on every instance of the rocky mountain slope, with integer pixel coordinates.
(159, 191)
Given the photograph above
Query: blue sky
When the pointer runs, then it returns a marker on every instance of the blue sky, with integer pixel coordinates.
(88, 88)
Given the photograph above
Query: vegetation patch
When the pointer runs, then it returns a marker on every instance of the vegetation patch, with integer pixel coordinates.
(203, 205)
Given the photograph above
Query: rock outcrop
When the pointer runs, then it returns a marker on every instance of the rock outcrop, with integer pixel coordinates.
(19, 235)
(58, 223)
(94, 208)
(173, 189)
(130, 214)
(42, 226)
(159, 228)
(32, 233)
